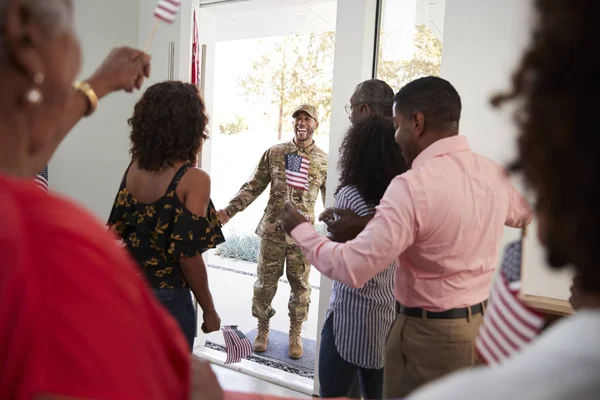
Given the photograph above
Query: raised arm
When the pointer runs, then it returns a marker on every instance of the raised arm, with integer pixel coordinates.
(392, 230)
(250, 190)
(123, 69)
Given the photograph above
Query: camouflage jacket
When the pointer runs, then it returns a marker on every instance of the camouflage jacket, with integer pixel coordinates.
(271, 169)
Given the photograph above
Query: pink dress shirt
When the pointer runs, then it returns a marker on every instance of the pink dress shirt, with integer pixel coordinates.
(442, 220)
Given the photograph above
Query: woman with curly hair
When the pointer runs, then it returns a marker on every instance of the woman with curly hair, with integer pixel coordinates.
(358, 320)
(163, 212)
(555, 90)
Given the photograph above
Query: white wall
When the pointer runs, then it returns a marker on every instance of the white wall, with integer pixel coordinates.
(483, 43)
(89, 164)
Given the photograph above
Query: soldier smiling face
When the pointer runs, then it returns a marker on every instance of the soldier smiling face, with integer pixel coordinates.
(305, 123)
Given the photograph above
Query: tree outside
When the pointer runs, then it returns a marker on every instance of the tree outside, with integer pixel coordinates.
(426, 60)
(297, 69)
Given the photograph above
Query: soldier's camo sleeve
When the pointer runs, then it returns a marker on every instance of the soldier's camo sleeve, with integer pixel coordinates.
(258, 182)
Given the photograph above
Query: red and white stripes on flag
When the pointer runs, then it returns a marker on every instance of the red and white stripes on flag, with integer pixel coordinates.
(296, 171)
(41, 179)
(237, 345)
(167, 10)
(508, 325)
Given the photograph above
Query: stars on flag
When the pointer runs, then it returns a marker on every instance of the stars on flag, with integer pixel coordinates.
(296, 171)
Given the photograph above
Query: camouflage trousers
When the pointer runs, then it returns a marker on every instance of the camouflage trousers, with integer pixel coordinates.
(271, 261)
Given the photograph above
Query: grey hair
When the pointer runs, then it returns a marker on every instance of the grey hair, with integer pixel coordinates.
(377, 94)
(53, 15)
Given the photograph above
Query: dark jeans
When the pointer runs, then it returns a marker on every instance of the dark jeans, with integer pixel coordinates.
(179, 303)
(336, 374)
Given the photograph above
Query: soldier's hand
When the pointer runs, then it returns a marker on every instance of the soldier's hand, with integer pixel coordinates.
(223, 216)
(291, 217)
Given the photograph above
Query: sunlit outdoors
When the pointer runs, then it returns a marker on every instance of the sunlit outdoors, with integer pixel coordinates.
(258, 83)
(410, 40)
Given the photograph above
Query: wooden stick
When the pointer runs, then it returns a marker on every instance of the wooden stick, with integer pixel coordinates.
(149, 42)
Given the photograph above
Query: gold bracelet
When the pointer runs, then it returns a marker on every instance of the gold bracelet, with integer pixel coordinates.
(89, 93)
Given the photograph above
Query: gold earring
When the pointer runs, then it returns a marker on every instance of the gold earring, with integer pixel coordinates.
(34, 95)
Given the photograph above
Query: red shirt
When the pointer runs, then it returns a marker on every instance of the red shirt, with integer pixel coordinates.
(75, 318)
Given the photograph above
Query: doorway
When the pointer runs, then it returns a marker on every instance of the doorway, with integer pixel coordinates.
(264, 59)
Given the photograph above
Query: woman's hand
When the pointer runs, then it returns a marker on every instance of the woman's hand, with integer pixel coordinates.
(211, 321)
(348, 226)
(123, 69)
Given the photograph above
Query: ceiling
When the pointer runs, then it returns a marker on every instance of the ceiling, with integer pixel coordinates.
(260, 18)
(245, 19)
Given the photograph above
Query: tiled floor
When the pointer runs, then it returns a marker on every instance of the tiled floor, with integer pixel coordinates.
(238, 382)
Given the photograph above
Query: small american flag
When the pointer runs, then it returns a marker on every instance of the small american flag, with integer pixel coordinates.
(509, 325)
(296, 171)
(41, 179)
(167, 10)
(237, 344)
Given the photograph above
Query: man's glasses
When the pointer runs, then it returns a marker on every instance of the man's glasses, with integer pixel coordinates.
(349, 107)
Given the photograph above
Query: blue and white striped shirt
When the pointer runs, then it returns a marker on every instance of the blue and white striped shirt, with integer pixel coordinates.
(362, 318)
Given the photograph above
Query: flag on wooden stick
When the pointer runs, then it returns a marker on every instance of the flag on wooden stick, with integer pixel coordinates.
(237, 345)
(508, 325)
(296, 171)
(166, 11)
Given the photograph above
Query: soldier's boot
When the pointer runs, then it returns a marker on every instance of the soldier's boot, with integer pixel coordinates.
(296, 350)
(262, 336)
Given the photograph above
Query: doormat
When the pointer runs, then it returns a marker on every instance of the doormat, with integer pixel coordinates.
(268, 362)
(278, 349)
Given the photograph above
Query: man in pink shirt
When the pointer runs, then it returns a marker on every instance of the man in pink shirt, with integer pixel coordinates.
(442, 221)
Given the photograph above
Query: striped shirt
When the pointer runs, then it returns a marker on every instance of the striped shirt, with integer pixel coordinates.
(41, 179)
(362, 318)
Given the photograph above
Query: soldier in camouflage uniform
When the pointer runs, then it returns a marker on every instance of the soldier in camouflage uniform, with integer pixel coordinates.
(276, 247)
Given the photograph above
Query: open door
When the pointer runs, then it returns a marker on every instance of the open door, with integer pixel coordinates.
(246, 46)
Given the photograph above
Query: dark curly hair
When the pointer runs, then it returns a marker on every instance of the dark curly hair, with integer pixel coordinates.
(556, 93)
(168, 125)
(370, 158)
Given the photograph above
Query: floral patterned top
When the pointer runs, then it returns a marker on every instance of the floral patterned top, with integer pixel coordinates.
(158, 234)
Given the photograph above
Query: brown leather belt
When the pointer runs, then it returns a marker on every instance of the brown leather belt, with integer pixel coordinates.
(454, 313)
